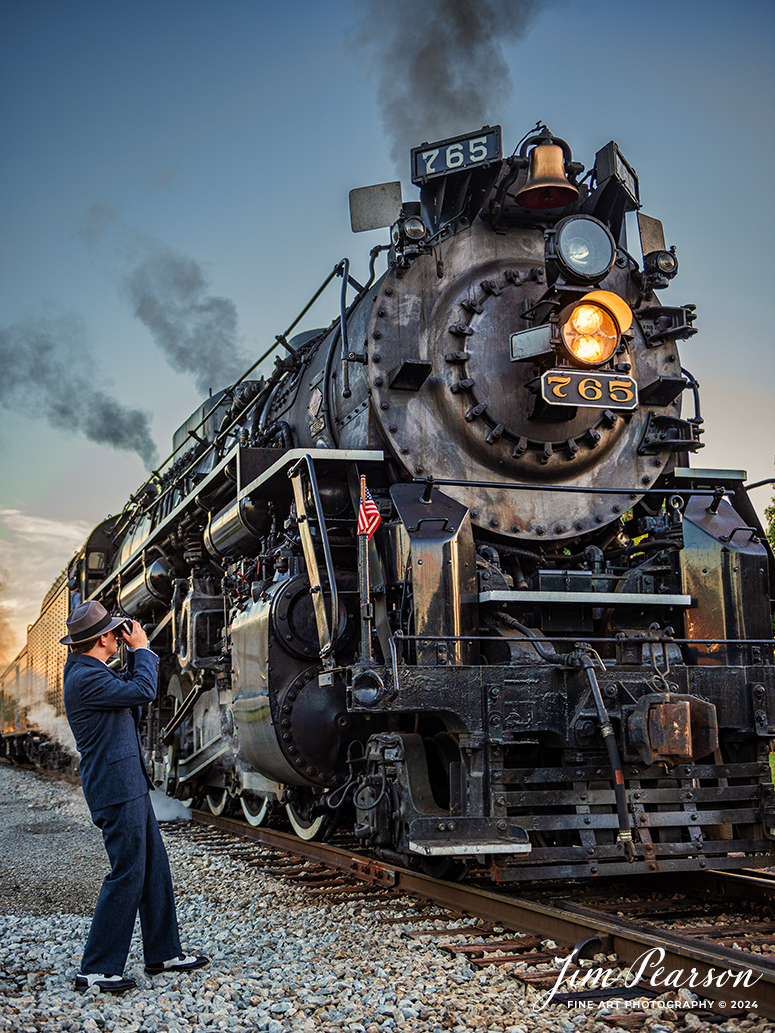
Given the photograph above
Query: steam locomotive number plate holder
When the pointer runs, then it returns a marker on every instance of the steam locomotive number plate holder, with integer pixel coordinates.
(594, 390)
(456, 154)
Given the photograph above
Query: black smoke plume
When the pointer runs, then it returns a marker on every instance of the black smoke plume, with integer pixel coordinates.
(46, 370)
(440, 63)
(197, 333)
(168, 292)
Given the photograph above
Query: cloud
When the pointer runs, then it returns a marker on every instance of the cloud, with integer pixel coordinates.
(33, 552)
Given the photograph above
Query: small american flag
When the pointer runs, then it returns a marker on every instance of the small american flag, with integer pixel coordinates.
(368, 514)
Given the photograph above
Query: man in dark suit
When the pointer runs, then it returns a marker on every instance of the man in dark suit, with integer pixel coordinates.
(103, 709)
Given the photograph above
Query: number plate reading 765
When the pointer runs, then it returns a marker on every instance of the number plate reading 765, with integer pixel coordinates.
(598, 391)
(455, 154)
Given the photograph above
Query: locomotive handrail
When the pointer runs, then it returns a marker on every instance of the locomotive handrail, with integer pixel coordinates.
(327, 648)
(590, 598)
(728, 537)
(590, 638)
(345, 271)
(634, 493)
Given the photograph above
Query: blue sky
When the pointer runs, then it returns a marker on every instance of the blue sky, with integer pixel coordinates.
(228, 136)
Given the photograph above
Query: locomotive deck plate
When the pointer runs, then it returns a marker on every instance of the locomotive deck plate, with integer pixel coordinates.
(589, 388)
(457, 836)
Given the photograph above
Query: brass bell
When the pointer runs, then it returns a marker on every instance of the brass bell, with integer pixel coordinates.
(547, 185)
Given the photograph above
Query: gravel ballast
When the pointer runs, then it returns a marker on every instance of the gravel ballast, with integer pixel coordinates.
(282, 960)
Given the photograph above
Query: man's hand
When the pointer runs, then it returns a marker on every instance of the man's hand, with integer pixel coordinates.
(136, 639)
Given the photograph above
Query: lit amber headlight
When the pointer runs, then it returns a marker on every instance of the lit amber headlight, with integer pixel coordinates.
(591, 332)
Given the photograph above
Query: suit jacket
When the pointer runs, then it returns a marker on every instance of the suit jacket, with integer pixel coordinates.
(103, 709)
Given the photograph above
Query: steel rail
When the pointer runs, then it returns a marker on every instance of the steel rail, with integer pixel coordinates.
(567, 924)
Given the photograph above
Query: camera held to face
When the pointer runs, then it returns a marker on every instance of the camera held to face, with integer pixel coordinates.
(123, 628)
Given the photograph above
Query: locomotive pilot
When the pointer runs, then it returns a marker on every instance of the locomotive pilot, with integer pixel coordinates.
(103, 710)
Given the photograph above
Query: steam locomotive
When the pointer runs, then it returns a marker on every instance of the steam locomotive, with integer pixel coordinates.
(546, 648)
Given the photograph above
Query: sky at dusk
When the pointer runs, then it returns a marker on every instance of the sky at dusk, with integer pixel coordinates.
(176, 173)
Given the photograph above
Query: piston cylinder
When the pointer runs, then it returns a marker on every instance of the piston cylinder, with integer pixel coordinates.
(152, 585)
(239, 525)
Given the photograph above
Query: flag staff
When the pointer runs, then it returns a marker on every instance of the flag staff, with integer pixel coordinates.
(364, 587)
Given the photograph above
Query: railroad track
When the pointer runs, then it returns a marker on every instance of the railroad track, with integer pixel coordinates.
(717, 929)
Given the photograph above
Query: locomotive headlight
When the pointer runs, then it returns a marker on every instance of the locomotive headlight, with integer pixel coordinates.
(591, 334)
(584, 248)
(414, 228)
(592, 330)
(661, 263)
(410, 227)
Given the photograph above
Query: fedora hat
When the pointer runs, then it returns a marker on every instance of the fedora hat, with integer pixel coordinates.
(89, 620)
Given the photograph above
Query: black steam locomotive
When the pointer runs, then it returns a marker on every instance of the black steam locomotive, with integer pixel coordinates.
(553, 657)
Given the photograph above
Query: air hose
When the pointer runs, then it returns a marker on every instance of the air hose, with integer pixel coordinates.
(609, 738)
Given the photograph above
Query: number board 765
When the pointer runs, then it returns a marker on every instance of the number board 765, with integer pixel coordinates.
(583, 388)
(456, 153)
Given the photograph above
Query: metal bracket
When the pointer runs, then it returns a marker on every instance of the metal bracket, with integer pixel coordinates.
(668, 434)
(374, 872)
(664, 324)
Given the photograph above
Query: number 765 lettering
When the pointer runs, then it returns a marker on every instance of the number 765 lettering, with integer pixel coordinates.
(592, 389)
(454, 155)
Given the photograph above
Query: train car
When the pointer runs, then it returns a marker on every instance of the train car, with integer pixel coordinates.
(446, 576)
(33, 727)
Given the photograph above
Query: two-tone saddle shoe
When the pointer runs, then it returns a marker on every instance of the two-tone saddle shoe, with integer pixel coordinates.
(185, 963)
(109, 984)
